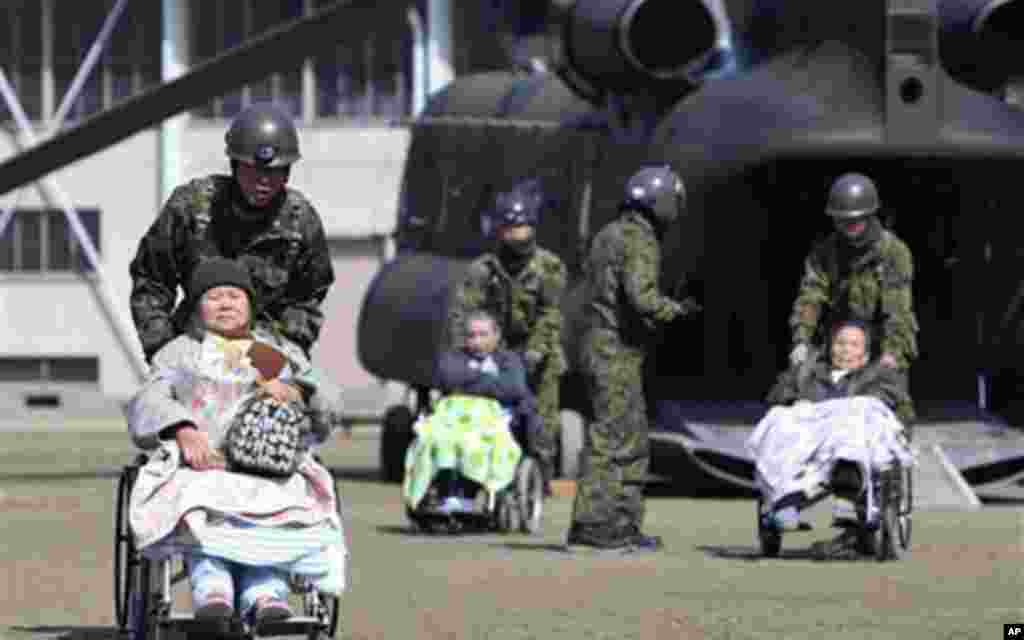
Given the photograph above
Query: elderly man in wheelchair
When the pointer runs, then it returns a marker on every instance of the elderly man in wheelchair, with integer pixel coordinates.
(840, 429)
(471, 459)
(229, 419)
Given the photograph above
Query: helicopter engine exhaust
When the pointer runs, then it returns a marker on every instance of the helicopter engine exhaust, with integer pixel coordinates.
(982, 42)
(620, 46)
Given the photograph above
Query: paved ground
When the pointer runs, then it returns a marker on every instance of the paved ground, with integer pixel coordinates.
(963, 579)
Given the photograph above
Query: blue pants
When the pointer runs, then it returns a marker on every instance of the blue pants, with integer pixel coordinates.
(212, 575)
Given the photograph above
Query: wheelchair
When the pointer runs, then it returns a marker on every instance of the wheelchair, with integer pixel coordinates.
(886, 536)
(143, 589)
(518, 507)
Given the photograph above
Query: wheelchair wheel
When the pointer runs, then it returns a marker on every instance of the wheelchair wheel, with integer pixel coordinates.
(125, 560)
(530, 495)
(140, 619)
(324, 609)
(894, 530)
(395, 438)
(507, 518)
(906, 507)
(769, 537)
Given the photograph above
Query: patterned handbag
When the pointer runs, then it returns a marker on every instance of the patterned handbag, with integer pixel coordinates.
(266, 438)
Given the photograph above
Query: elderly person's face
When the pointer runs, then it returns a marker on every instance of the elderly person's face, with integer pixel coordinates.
(849, 348)
(225, 310)
(481, 336)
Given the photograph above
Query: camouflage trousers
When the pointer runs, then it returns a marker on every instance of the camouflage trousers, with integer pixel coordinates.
(545, 386)
(616, 451)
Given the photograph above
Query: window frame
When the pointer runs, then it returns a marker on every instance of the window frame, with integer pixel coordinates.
(78, 264)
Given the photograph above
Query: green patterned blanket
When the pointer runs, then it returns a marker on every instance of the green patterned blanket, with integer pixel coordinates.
(469, 434)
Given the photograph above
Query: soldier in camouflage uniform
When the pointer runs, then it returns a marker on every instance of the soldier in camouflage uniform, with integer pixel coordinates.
(861, 271)
(250, 216)
(624, 311)
(521, 285)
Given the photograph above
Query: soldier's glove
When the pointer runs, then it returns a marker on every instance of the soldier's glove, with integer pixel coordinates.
(533, 360)
(889, 360)
(689, 306)
(798, 355)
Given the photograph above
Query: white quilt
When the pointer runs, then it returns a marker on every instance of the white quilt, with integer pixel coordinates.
(796, 447)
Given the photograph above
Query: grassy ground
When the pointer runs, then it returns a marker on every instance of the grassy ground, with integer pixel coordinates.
(963, 579)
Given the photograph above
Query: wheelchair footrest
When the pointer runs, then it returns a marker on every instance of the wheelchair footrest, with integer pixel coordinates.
(296, 625)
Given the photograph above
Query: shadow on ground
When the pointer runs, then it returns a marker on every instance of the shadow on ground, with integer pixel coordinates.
(533, 546)
(358, 474)
(817, 552)
(72, 632)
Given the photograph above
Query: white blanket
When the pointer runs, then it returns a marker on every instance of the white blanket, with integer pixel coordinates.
(797, 447)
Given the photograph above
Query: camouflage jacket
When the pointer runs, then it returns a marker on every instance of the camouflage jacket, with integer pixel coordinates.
(528, 304)
(287, 257)
(814, 383)
(622, 281)
(875, 288)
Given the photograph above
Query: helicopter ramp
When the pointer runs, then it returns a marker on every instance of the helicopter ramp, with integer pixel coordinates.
(960, 461)
(938, 484)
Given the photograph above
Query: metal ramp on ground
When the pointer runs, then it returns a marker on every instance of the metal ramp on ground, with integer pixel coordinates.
(937, 482)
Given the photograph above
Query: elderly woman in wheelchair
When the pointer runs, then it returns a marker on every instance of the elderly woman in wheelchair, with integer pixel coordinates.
(467, 462)
(840, 428)
(229, 417)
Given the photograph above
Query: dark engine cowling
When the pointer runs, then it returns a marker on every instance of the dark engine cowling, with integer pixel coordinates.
(982, 42)
(639, 46)
(402, 322)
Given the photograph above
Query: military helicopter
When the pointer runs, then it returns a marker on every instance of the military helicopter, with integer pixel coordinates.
(759, 105)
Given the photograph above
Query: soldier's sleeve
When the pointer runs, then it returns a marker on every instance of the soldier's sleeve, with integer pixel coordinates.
(640, 279)
(468, 296)
(786, 389)
(298, 311)
(546, 336)
(899, 324)
(812, 297)
(154, 274)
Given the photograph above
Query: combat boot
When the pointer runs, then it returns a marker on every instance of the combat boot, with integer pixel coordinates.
(593, 539)
(547, 469)
(641, 541)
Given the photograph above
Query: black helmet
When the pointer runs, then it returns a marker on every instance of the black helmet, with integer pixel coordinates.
(852, 196)
(658, 190)
(263, 135)
(522, 204)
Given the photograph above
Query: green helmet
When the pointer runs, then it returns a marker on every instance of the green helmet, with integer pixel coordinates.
(263, 135)
(852, 196)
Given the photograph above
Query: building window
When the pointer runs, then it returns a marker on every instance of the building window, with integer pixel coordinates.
(44, 42)
(41, 240)
(50, 369)
(367, 79)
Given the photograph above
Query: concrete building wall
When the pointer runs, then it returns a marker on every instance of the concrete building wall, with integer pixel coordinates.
(350, 174)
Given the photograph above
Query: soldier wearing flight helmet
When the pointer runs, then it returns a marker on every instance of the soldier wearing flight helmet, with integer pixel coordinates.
(861, 271)
(250, 216)
(624, 310)
(521, 285)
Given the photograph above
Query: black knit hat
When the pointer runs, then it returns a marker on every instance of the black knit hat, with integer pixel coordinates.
(218, 272)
